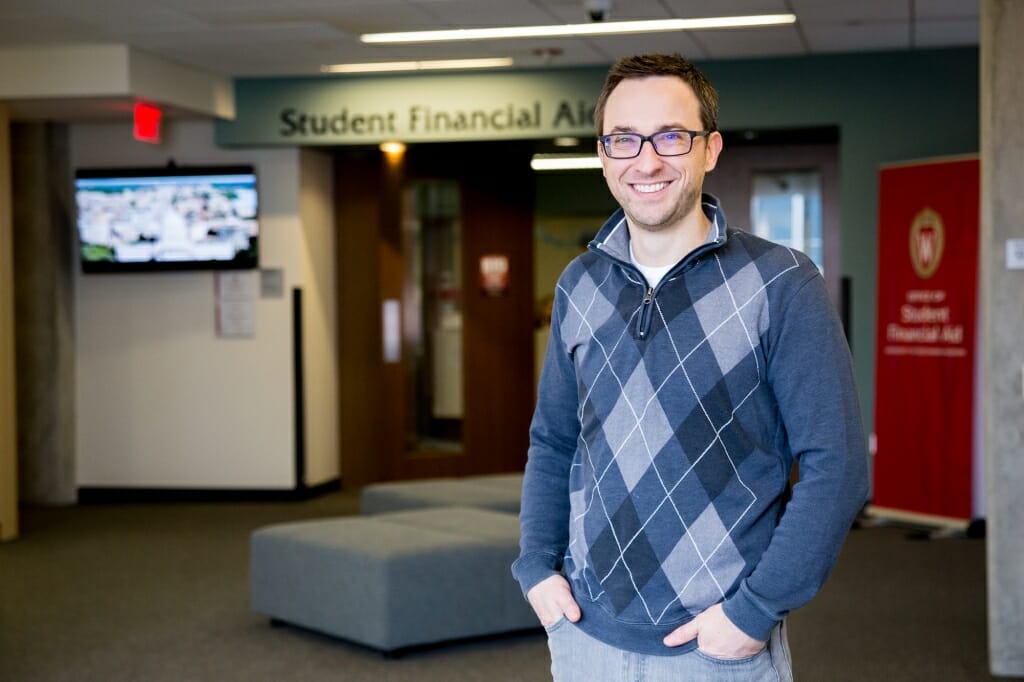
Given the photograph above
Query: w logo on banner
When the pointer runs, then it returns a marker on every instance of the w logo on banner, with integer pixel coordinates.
(927, 240)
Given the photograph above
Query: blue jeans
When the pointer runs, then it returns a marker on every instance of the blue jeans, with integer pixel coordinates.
(577, 657)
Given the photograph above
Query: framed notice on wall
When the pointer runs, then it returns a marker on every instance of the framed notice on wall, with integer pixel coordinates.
(927, 307)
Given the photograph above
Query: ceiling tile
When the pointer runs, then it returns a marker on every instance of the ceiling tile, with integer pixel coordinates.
(575, 12)
(223, 36)
(297, 6)
(862, 11)
(945, 9)
(725, 8)
(142, 20)
(840, 38)
(478, 13)
(33, 30)
(348, 20)
(767, 42)
(616, 47)
(949, 33)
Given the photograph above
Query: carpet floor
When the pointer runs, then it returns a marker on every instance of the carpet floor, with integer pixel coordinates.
(159, 592)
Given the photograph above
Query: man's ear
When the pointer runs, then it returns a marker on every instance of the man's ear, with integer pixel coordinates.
(713, 149)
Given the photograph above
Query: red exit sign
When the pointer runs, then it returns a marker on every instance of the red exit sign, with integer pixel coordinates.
(147, 123)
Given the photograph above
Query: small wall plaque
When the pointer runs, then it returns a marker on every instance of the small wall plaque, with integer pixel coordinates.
(1015, 254)
(271, 283)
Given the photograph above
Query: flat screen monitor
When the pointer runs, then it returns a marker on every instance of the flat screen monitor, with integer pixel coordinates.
(172, 218)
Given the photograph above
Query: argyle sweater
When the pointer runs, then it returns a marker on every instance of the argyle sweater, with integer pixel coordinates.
(666, 426)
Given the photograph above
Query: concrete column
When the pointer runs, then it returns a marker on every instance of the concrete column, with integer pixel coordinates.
(8, 431)
(1002, 220)
(44, 309)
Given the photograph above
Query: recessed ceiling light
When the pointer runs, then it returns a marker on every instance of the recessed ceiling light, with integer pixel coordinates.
(567, 141)
(428, 65)
(657, 25)
(392, 147)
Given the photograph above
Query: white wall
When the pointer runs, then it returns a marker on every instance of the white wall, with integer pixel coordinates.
(161, 400)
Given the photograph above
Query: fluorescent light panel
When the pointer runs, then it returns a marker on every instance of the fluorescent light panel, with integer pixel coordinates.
(551, 162)
(596, 28)
(428, 65)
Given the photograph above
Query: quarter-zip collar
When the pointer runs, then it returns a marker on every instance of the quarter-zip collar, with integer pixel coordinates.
(612, 241)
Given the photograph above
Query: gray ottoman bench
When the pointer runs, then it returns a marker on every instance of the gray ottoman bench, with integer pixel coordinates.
(395, 580)
(500, 492)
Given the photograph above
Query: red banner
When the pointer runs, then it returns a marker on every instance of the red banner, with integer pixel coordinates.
(927, 299)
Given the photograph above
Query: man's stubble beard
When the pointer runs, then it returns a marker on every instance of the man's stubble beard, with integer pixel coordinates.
(689, 201)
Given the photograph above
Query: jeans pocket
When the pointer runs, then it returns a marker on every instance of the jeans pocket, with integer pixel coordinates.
(556, 625)
(731, 661)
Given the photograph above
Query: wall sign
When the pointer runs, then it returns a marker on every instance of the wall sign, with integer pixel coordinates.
(421, 108)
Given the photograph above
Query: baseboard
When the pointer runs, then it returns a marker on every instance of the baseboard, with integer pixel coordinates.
(104, 495)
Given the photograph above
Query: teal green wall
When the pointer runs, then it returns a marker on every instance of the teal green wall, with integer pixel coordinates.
(889, 107)
(894, 106)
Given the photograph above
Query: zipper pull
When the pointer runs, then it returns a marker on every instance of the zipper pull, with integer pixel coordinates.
(643, 322)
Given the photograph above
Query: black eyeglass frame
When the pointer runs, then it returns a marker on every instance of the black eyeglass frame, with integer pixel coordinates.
(605, 141)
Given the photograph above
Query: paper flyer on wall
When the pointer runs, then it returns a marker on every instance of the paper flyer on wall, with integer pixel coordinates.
(235, 303)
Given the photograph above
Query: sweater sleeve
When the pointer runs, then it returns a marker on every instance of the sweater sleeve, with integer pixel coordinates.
(810, 372)
(544, 513)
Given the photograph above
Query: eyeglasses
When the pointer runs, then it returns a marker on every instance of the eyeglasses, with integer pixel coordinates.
(665, 143)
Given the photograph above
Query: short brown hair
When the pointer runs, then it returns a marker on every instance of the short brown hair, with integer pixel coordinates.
(647, 65)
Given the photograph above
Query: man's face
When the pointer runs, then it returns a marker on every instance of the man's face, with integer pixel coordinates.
(657, 192)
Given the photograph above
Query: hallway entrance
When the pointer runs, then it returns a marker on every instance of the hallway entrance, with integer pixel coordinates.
(435, 261)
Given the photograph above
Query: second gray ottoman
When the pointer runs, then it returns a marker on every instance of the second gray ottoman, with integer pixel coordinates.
(500, 492)
(392, 581)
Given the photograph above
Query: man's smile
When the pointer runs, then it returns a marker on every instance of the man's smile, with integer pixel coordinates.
(650, 187)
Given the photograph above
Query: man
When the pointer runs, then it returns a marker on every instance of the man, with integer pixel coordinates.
(689, 366)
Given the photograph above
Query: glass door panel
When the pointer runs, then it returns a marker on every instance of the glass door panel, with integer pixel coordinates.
(432, 323)
(786, 207)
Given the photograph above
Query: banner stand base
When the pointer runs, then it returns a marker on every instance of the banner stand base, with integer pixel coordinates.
(932, 526)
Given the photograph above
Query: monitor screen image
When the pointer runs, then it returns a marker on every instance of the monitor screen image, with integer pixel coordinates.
(136, 220)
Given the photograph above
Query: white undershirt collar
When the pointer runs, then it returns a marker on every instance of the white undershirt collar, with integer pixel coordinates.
(653, 274)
